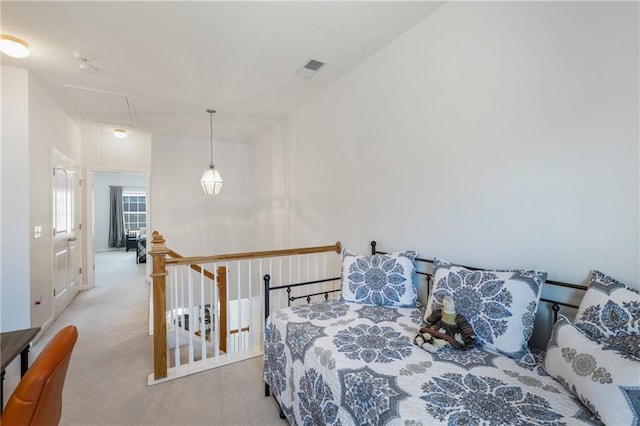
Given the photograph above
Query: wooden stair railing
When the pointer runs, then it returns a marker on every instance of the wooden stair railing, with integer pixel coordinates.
(221, 281)
(160, 253)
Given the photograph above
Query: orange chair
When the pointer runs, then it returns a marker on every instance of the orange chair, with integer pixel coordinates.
(37, 400)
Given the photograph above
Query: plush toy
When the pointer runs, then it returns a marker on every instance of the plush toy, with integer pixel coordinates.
(445, 328)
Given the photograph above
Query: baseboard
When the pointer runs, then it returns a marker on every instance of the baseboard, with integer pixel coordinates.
(43, 328)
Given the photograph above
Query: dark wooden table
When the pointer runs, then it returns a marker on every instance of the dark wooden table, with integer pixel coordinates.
(13, 343)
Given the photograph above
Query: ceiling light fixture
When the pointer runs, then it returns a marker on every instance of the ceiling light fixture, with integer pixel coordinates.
(14, 46)
(120, 133)
(211, 180)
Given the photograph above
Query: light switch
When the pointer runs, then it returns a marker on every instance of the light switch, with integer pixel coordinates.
(37, 231)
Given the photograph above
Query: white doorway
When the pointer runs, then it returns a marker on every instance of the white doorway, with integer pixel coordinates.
(67, 257)
(135, 217)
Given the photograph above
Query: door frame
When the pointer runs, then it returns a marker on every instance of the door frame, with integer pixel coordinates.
(89, 277)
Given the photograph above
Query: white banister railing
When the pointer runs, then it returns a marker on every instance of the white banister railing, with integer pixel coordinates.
(209, 310)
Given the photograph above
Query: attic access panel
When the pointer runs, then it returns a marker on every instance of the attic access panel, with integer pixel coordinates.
(102, 106)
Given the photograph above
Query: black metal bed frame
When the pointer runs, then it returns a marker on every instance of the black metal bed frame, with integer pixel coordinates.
(555, 304)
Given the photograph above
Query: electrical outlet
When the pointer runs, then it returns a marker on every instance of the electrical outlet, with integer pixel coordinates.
(37, 231)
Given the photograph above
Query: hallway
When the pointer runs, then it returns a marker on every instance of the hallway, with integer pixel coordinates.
(107, 378)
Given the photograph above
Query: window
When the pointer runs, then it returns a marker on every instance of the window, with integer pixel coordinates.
(134, 208)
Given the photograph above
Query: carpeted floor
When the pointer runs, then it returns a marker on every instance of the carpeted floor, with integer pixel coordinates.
(107, 379)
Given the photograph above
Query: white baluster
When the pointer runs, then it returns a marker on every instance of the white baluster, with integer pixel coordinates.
(280, 273)
(250, 322)
(308, 274)
(315, 258)
(239, 347)
(262, 295)
(290, 268)
(215, 324)
(324, 271)
(298, 257)
(191, 319)
(203, 333)
(176, 331)
(228, 308)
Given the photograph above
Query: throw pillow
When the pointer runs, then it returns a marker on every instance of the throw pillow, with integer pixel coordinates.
(606, 382)
(381, 279)
(500, 305)
(610, 313)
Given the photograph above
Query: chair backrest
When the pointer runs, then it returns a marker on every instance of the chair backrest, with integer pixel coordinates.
(37, 400)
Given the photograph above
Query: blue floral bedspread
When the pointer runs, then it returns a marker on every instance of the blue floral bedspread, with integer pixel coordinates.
(333, 363)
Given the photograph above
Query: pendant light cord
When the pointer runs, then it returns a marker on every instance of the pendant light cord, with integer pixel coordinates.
(211, 135)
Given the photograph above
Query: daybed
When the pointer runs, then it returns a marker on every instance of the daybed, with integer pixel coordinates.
(353, 360)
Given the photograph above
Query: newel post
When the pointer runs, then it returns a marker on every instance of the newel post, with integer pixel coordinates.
(158, 253)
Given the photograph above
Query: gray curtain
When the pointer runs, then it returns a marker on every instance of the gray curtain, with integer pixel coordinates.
(116, 221)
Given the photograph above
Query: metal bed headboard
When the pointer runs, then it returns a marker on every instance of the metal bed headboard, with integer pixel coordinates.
(555, 304)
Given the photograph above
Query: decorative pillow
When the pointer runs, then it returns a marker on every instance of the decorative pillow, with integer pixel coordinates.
(381, 279)
(606, 382)
(610, 313)
(499, 305)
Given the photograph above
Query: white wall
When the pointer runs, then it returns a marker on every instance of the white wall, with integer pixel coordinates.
(49, 128)
(495, 134)
(267, 176)
(33, 125)
(14, 229)
(103, 152)
(192, 222)
(102, 201)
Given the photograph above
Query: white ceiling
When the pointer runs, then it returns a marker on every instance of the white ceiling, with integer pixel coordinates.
(173, 60)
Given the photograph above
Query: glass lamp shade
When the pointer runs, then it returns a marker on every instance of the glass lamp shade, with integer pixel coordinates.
(211, 181)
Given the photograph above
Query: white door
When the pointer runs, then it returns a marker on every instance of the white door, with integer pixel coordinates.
(67, 259)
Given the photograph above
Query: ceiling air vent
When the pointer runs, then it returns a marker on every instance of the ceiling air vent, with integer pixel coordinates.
(310, 68)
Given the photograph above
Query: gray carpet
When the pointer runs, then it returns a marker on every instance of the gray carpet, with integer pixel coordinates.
(107, 379)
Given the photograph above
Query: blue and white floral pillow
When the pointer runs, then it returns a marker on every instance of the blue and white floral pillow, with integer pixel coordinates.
(606, 382)
(381, 279)
(610, 313)
(500, 305)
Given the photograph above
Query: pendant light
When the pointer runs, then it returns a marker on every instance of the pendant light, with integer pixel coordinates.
(211, 180)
